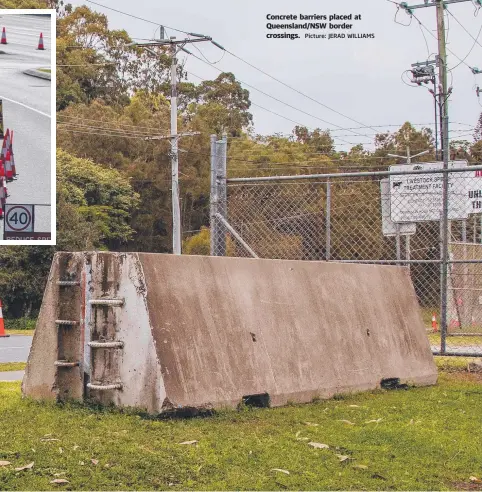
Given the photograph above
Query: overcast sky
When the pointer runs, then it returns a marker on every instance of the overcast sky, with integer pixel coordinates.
(360, 78)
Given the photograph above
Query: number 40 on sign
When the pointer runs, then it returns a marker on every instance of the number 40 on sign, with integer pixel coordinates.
(19, 218)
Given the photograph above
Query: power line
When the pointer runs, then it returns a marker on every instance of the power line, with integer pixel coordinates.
(435, 37)
(464, 28)
(111, 129)
(273, 112)
(244, 61)
(276, 99)
(81, 118)
(96, 133)
(135, 16)
(86, 64)
(296, 90)
(473, 46)
(103, 126)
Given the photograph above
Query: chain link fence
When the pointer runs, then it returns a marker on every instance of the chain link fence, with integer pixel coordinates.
(390, 217)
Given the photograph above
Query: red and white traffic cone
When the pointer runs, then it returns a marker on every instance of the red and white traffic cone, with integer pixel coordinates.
(3, 197)
(8, 167)
(2, 169)
(41, 42)
(12, 162)
(434, 323)
(6, 138)
(4, 37)
(2, 324)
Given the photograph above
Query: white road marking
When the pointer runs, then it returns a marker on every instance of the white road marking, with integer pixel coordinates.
(25, 106)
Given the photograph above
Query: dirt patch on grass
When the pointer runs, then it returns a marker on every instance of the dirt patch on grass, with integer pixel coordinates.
(471, 377)
(466, 485)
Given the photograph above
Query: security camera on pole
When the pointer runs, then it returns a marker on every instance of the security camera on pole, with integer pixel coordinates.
(175, 46)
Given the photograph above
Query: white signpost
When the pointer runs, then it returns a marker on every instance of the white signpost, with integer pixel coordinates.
(389, 228)
(418, 197)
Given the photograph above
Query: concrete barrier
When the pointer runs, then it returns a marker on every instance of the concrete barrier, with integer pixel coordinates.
(163, 332)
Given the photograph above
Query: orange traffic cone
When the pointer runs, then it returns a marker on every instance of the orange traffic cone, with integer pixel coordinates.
(8, 167)
(2, 324)
(41, 42)
(434, 323)
(4, 37)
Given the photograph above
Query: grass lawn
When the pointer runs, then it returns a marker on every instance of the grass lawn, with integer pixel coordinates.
(12, 366)
(457, 341)
(20, 332)
(416, 439)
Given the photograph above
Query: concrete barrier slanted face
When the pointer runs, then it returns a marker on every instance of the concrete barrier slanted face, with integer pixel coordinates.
(168, 333)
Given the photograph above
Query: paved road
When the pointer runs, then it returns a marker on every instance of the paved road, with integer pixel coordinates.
(27, 106)
(11, 376)
(15, 348)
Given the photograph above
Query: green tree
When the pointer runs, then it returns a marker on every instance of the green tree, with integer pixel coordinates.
(102, 196)
(316, 140)
(221, 105)
(95, 62)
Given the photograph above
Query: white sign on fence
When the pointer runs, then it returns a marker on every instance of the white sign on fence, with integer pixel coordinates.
(418, 197)
(474, 192)
(389, 228)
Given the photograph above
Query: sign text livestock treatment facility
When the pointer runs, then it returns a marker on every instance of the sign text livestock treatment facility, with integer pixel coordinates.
(418, 197)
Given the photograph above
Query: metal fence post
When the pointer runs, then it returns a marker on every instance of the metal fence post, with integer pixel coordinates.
(398, 245)
(328, 220)
(444, 240)
(221, 156)
(213, 199)
(407, 249)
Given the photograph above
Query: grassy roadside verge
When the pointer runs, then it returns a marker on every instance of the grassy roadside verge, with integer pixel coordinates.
(12, 366)
(20, 332)
(417, 439)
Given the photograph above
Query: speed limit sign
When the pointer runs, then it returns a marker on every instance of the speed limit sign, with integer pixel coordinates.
(19, 218)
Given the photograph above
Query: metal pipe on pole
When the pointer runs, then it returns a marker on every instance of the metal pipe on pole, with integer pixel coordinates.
(176, 210)
(328, 220)
(213, 223)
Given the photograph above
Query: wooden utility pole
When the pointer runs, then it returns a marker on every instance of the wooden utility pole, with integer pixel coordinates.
(175, 46)
(444, 94)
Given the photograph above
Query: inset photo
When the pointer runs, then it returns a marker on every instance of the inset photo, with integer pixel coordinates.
(27, 126)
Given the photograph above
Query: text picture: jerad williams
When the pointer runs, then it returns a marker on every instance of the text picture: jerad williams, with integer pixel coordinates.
(340, 36)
